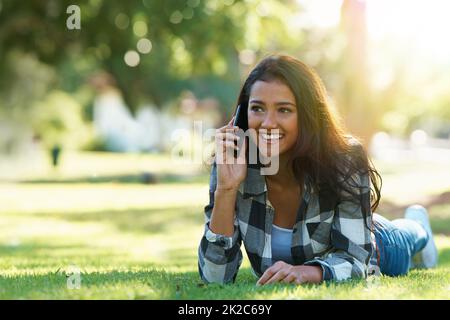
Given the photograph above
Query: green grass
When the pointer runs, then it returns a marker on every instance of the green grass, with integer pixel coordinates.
(131, 240)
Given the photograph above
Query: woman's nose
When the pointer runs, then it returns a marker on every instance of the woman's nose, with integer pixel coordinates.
(270, 121)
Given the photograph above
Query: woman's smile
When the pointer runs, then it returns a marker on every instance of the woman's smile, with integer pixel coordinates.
(271, 138)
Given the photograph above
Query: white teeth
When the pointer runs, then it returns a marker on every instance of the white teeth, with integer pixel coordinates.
(271, 136)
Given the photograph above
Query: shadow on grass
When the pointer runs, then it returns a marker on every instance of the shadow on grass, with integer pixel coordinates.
(33, 254)
(147, 221)
(142, 178)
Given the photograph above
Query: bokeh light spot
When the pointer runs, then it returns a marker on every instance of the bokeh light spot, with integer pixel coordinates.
(247, 57)
(132, 58)
(144, 45)
(140, 28)
(122, 21)
(176, 17)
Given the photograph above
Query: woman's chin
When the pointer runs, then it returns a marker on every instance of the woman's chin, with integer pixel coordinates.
(268, 150)
(268, 153)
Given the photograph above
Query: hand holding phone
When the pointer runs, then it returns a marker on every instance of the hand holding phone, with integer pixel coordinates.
(231, 161)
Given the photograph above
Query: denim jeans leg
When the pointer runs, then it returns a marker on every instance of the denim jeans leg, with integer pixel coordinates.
(397, 241)
(416, 236)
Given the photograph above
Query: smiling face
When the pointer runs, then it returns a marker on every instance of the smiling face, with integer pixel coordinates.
(271, 108)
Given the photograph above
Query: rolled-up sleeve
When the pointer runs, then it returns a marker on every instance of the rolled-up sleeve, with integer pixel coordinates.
(219, 256)
(350, 237)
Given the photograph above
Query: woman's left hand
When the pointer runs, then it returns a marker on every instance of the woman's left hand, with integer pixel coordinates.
(286, 273)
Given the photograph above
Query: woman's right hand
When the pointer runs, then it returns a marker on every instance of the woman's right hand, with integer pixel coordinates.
(231, 171)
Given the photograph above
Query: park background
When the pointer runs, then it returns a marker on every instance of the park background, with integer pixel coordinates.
(101, 197)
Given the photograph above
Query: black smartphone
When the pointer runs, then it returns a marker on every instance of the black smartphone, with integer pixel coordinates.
(240, 120)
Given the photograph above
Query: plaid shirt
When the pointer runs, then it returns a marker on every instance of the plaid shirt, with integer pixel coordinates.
(328, 232)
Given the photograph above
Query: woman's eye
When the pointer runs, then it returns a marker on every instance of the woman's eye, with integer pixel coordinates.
(256, 109)
(284, 110)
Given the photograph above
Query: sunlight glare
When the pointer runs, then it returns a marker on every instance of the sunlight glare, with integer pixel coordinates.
(319, 13)
(420, 25)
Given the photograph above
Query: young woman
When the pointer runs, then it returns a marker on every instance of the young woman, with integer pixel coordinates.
(312, 220)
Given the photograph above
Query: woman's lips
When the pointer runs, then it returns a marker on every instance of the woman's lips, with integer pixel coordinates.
(271, 138)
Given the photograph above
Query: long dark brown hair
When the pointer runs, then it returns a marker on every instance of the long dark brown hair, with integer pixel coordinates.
(325, 156)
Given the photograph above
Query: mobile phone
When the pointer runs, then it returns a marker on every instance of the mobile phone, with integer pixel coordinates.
(240, 120)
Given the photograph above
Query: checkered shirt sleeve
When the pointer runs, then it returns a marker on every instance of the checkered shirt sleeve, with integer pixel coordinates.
(219, 257)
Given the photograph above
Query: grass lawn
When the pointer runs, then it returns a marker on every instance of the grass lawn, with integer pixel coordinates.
(131, 240)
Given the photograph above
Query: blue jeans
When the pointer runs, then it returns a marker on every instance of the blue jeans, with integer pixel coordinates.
(398, 241)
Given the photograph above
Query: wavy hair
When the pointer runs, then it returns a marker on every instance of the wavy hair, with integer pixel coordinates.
(325, 156)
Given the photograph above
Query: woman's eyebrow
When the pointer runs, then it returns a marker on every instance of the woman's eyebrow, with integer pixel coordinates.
(279, 103)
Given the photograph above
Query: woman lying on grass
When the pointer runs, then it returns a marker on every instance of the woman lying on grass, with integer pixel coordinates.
(312, 219)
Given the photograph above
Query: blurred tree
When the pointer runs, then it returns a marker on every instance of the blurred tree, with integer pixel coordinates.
(23, 81)
(155, 49)
(354, 96)
(57, 120)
